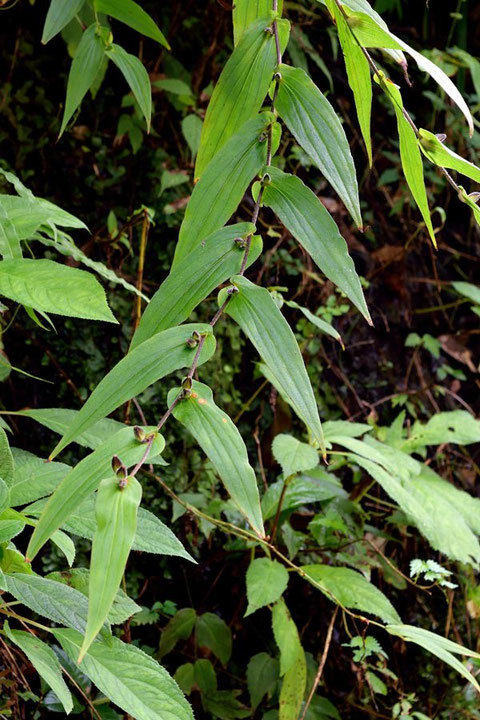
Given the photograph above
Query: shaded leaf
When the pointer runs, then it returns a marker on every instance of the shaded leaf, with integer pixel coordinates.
(180, 627)
(59, 14)
(136, 76)
(213, 633)
(133, 15)
(266, 582)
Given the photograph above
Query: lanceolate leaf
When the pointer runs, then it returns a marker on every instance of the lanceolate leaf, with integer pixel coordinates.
(292, 662)
(352, 590)
(133, 680)
(116, 515)
(130, 13)
(85, 65)
(194, 278)
(246, 12)
(6, 459)
(51, 287)
(440, 646)
(29, 214)
(410, 155)
(222, 443)
(223, 184)
(441, 155)
(253, 308)
(59, 14)
(85, 478)
(311, 224)
(44, 661)
(136, 76)
(159, 356)
(316, 127)
(240, 91)
(358, 72)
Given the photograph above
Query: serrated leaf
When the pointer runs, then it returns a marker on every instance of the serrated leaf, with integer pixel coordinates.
(311, 224)
(29, 214)
(60, 419)
(33, 477)
(293, 455)
(253, 308)
(240, 90)
(57, 602)
(180, 627)
(133, 15)
(301, 490)
(352, 590)
(59, 15)
(85, 478)
(152, 535)
(457, 426)
(48, 286)
(116, 515)
(246, 12)
(136, 76)
(7, 467)
(316, 127)
(4, 491)
(152, 360)
(122, 608)
(10, 528)
(223, 184)
(86, 63)
(358, 73)
(194, 278)
(222, 443)
(440, 646)
(44, 661)
(410, 155)
(133, 680)
(262, 676)
(266, 581)
(213, 632)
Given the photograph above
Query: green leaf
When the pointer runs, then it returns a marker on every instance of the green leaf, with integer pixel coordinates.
(133, 680)
(152, 536)
(456, 426)
(7, 467)
(174, 86)
(59, 15)
(10, 528)
(84, 479)
(213, 633)
(192, 131)
(266, 581)
(205, 677)
(286, 636)
(44, 661)
(222, 443)
(12, 561)
(442, 156)
(51, 287)
(180, 627)
(194, 278)
(410, 155)
(293, 455)
(33, 477)
(152, 360)
(116, 514)
(293, 689)
(358, 73)
(316, 127)
(29, 214)
(435, 517)
(57, 602)
(86, 63)
(130, 13)
(65, 544)
(59, 420)
(472, 292)
(262, 677)
(441, 647)
(322, 325)
(301, 490)
(311, 224)
(246, 12)
(223, 184)
(122, 608)
(240, 90)
(368, 33)
(4, 491)
(352, 590)
(9, 240)
(254, 309)
(136, 76)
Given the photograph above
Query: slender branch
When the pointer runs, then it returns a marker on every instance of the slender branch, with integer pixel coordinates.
(321, 666)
